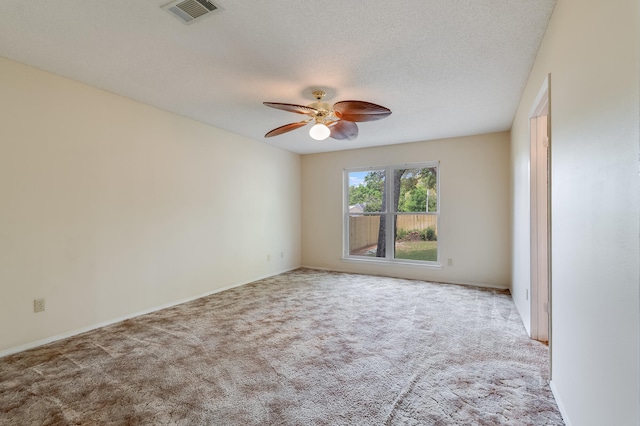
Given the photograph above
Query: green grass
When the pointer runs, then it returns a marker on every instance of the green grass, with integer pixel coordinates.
(418, 250)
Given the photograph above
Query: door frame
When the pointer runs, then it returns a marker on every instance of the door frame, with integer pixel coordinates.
(540, 243)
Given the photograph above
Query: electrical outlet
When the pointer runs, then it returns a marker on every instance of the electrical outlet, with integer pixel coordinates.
(282, 254)
(449, 262)
(38, 305)
(268, 258)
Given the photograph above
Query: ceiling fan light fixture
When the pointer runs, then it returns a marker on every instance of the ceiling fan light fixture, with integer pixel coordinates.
(319, 131)
(342, 117)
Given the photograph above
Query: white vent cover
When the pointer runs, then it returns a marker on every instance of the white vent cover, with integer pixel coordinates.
(189, 11)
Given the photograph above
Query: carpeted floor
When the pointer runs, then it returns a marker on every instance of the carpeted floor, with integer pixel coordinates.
(302, 348)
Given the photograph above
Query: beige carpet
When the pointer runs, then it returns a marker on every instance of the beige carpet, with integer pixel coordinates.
(302, 348)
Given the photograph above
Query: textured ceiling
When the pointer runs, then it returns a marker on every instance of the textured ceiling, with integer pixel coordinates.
(444, 67)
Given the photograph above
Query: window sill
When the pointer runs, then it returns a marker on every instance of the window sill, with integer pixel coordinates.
(394, 262)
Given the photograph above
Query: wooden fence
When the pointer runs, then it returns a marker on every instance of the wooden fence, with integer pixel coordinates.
(417, 221)
(363, 230)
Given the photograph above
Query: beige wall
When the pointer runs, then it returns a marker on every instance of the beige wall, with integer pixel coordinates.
(110, 207)
(591, 49)
(474, 200)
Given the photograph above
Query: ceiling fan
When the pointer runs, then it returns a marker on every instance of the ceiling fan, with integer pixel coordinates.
(337, 122)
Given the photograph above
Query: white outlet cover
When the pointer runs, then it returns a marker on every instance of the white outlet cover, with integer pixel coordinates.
(38, 305)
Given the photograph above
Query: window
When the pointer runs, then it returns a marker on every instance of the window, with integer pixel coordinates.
(392, 213)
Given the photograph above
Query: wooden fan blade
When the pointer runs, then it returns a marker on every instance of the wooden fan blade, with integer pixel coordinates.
(344, 130)
(286, 128)
(299, 109)
(360, 111)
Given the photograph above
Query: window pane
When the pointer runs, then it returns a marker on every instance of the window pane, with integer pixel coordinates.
(417, 190)
(367, 235)
(366, 191)
(395, 202)
(416, 237)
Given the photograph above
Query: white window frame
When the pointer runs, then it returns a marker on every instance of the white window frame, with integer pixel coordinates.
(388, 215)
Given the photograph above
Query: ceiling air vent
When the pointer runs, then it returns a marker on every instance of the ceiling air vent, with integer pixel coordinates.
(189, 11)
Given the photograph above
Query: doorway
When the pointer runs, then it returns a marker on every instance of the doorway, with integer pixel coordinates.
(540, 193)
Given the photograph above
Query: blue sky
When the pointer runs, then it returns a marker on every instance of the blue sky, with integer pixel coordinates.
(356, 178)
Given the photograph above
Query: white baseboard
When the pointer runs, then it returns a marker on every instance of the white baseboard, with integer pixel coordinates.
(456, 282)
(75, 332)
(563, 411)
